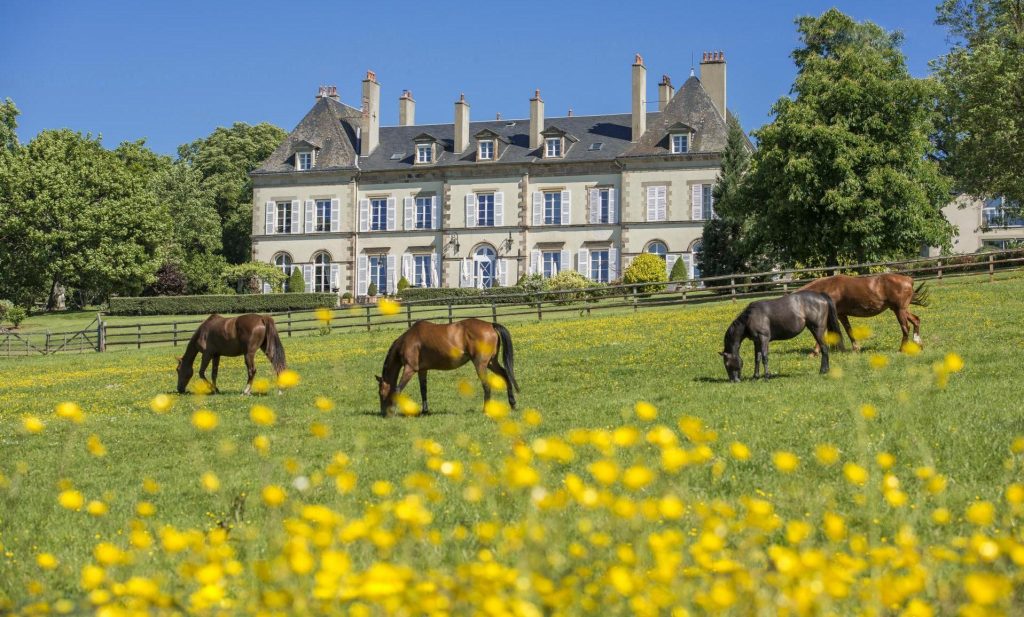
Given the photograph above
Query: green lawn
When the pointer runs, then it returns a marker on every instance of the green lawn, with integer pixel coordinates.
(582, 372)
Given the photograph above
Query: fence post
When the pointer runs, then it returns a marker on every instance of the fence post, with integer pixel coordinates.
(408, 314)
(101, 333)
(540, 313)
(138, 336)
(494, 312)
(451, 317)
(368, 323)
(732, 290)
(939, 262)
(175, 325)
(991, 268)
(634, 300)
(289, 324)
(46, 345)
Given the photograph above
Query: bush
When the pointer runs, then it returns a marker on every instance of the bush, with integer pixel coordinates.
(403, 284)
(249, 277)
(646, 268)
(534, 283)
(5, 305)
(15, 315)
(295, 283)
(347, 296)
(569, 280)
(204, 305)
(372, 290)
(679, 271)
(170, 281)
(465, 295)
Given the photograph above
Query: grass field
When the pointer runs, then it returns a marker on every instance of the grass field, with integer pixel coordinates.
(727, 501)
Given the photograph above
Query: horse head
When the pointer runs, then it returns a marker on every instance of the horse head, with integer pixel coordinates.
(184, 375)
(385, 393)
(733, 365)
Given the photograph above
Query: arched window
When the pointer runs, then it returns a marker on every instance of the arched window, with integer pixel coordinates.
(695, 250)
(284, 262)
(322, 272)
(657, 248)
(485, 261)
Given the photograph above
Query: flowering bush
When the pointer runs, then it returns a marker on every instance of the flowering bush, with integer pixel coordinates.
(646, 268)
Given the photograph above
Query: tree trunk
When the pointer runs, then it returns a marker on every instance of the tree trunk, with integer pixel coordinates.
(56, 300)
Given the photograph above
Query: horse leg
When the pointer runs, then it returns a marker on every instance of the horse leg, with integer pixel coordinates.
(423, 390)
(500, 372)
(202, 366)
(757, 357)
(480, 363)
(916, 321)
(763, 344)
(845, 320)
(407, 374)
(901, 317)
(213, 373)
(250, 367)
(819, 338)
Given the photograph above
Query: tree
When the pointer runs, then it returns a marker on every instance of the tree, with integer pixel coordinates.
(224, 159)
(679, 271)
(250, 276)
(646, 268)
(845, 173)
(8, 126)
(981, 130)
(296, 283)
(170, 281)
(74, 216)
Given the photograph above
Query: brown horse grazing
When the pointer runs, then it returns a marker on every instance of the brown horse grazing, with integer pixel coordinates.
(867, 296)
(231, 336)
(428, 346)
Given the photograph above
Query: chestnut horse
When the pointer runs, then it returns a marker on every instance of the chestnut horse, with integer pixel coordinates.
(867, 296)
(428, 346)
(231, 336)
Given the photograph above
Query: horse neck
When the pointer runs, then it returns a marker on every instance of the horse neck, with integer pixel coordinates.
(192, 350)
(734, 336)
(392, 364)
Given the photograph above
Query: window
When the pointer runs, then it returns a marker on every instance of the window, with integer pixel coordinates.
(552, 263)
(424, 153)
(657, 248)
(657, 203)
(284, 262)
(680, 143)
(604, 214)
(694, 251)
(304, 161)
(553, 147)
(485, 210)
(322, 220)
(284, 218)
(553, 208)
(998, 213)
(424, 213)
(378, 214)
(322, 272)
(379, 272)
(485, 260)
(422, 273)
(487, 150)
(599, 266)
(708, 200)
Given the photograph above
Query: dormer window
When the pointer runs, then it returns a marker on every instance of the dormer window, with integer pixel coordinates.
(553, 147)
(425, 153)
(304, 160)
(486, 150)
(680, 143)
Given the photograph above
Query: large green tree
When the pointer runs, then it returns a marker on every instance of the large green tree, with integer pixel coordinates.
(8, 126)
(845, 171)
(225, 158)
(75, 216)
(982, 127)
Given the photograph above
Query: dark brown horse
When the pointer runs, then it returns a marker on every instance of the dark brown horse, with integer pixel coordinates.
(231, 336)
(867, 296)
(428, 346)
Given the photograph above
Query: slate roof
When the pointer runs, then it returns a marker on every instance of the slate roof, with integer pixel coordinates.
(331, 126)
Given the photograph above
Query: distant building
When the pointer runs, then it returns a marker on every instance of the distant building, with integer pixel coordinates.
(984, 223)
(483, 203)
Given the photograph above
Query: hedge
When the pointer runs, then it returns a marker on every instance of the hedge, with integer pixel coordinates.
(465, 295)
(203, 305)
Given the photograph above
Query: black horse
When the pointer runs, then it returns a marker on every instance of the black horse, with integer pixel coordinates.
(780, 319)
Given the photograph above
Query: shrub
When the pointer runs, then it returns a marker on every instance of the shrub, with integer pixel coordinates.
(242, 303)
(249, 277)
(170, 281)
(403, 284)
(296, 284)
(15, 315)
(569, 280)
(5, 305)
(372, 290)
(347, 296)
(646, 268)
(534, 283)
(679, 271)
(464, 295)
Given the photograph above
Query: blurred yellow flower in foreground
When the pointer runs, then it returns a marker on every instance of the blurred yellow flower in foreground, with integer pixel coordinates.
(71, 499)
(387, 306)
(911, 348)
(273, 495)
(288, 379)
(739, 451)
(324, 314)
(953, 363)
(827, 454)
(161, 403)
(260, 385)
(262, 415)
(786, 462)
(32, 424)
(323, 403)
(70, 411)
(861, 332)
(407, 406)
(210, 482)
(878, 361)
(46, 561)
(205, 420)
(645, 411)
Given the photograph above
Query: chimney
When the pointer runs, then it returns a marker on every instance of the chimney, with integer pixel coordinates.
(370, 135)
(639, 98)
(712, 77)
(665, 92)
(406, 109)
(461, 124)
(536, 119)
(327, 92)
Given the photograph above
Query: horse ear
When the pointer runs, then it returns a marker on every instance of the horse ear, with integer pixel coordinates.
(379, 378)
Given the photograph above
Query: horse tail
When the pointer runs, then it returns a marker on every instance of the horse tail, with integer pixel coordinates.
(833, 320)
(272, 344)
(921, 295)
(508, 355)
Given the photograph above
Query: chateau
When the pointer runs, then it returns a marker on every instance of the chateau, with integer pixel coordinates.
(480, 203)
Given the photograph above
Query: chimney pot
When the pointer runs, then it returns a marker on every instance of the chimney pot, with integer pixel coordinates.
(536, 119)
(497, 116)
(638, 60)
(570, 112)
(371, 76)
(406, 109)
(713, 78)
(639, 95)
(370, 134)
(665, 92)
(461, 124)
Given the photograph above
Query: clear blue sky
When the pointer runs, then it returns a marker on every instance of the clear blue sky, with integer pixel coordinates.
(171, 72)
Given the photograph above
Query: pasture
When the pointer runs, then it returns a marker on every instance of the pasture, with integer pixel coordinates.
(887, 486)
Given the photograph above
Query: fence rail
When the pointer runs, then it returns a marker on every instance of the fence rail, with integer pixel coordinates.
(102, 335)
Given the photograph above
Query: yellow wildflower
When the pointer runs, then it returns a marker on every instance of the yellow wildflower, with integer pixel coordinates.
(388, 306)
(645, 411)
(953, 363)
(160, 403)
(46, 561)
(877, 361)
(204, 420)
(324, 315)
(288, 379)
(273, 495)
(855, 474)
(739, 451)
(95, 446)
(32, 424)
(71, 499)
(260, 385)
(210, 482)
(323, 403)
(70, 411)
(827, 454)
(981, 513)
(786, 462)
(262, 415)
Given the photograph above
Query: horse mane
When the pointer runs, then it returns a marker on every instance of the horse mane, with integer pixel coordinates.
(736, 329)
(391, 364)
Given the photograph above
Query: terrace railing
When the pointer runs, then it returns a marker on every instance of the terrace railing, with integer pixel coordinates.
(107, 334)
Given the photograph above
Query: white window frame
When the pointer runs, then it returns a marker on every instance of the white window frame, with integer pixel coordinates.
(283, 224)
(683, 141)
(553, 147)
(488, 156)
(321, 272)
(651, 244)
(378, 262)
(604, 205)
(423, 213)
(422, 270)
(556, 217)
(552, 258)
(322, 215)
(374, 202)
(304, 160)
(482, 201)
(600, 255)
(424, 153)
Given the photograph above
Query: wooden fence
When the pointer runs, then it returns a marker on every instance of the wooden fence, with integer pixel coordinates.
(104, 335)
